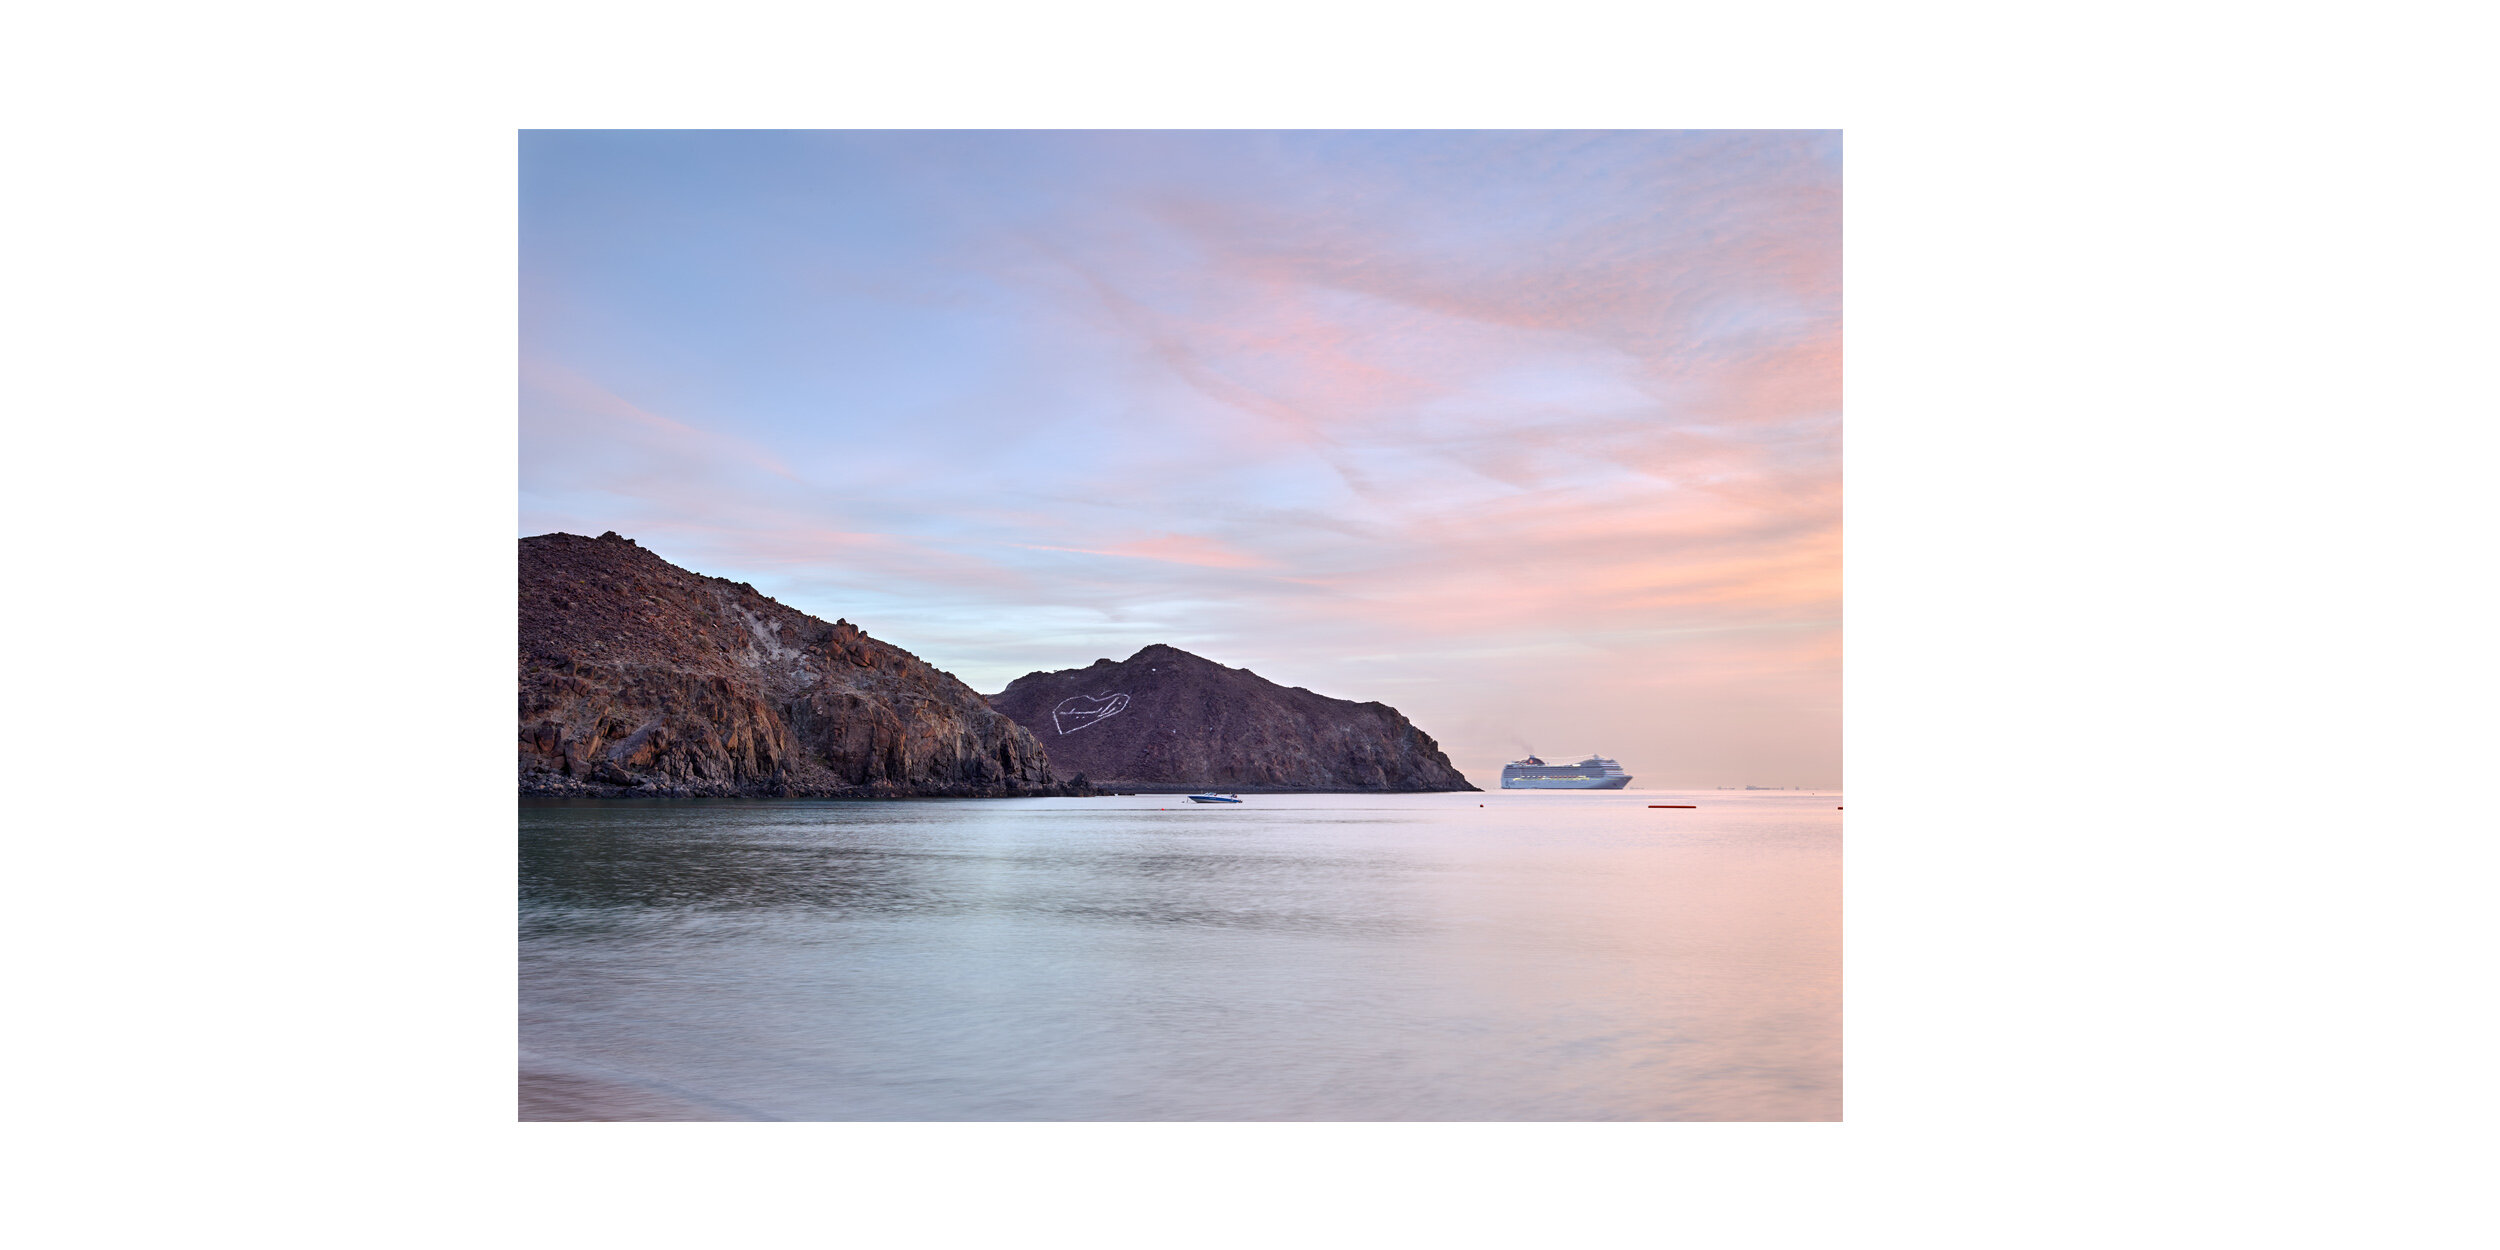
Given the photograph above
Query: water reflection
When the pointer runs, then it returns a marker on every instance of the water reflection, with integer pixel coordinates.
(1315, 957)
(579, 858)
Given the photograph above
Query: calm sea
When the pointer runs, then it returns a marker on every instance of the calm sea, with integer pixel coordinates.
(1543, 956)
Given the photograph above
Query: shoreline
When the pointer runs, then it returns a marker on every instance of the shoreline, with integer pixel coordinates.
(654, 793)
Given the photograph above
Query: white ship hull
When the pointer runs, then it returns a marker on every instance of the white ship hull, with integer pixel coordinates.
(1594, 773)
(1565, 783)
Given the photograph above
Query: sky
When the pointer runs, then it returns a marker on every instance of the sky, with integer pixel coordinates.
(1533, 436)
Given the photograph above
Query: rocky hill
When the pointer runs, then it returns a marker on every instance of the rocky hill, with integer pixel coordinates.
(1165, 719)
(638, 677)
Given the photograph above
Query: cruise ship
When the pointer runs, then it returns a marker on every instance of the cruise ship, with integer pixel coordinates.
(1594, 773)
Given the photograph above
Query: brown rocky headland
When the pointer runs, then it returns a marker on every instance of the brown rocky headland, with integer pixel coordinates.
(1165, 719)
(639, 678)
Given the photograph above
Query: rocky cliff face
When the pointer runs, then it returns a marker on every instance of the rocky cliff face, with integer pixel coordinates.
(638, 677)
(1166, 719)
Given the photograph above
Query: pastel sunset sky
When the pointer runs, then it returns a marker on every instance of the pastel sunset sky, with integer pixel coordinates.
(1534, 436)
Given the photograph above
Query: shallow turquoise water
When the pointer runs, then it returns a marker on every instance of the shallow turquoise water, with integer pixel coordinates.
(1544, 956)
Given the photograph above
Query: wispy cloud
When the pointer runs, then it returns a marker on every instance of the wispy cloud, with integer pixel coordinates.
(1497, 427)
(1172, 549)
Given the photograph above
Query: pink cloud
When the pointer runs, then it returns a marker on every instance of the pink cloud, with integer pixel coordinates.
(1337, 433)
(1171, 549)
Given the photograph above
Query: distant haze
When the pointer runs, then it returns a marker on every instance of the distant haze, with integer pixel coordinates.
(1535, 437)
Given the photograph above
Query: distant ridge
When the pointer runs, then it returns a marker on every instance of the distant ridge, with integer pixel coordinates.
(639, 677)
(1166, 719)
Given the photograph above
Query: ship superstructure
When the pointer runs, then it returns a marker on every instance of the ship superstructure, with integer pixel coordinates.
(1594, 773)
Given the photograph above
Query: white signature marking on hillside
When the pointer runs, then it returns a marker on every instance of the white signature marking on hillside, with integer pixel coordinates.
(1076, 713)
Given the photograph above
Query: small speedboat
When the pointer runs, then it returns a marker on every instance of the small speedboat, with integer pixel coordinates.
(1214, 798)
